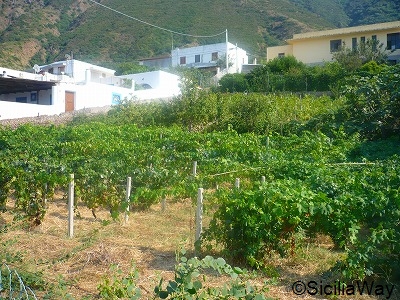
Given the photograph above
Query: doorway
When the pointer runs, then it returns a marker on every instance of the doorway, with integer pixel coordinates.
(69, 101)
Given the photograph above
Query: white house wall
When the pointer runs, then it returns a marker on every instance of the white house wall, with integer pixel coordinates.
(163, 85)
(92, 95)
(237, 56)
(77, 70)
(12, 110)
(89, 95)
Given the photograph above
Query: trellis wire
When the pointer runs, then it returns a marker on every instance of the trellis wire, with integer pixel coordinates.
(25, 292)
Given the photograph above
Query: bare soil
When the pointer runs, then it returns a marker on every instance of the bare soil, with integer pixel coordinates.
(149, 241)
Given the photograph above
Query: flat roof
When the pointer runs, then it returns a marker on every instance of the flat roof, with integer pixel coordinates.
(9, 85)
(346, 30)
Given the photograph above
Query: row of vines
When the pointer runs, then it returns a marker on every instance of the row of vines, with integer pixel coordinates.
(315, 184)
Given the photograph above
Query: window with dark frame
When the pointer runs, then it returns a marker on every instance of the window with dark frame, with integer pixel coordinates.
(354, 44)
(33, 97)
(393, 41)
(214, 56)
(280, 55)
(336, 45)
(197, 58)
(182, 60)
(374, 42)
(362, 39)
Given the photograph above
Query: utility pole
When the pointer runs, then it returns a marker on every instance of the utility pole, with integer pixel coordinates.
(227, 51)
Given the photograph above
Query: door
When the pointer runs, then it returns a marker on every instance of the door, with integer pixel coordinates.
(69, 101)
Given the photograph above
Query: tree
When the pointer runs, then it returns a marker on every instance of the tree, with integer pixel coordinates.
(373, 103)
(353, 59)
(233, 83)
(285, 64)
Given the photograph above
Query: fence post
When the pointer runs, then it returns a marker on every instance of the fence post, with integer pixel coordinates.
(71, 188)
(199, 215)
(194, 168)
(127, 196)
(262, 179)
(237, 183)
(267, 142)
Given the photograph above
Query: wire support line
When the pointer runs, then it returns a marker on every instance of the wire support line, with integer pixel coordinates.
(156, 26)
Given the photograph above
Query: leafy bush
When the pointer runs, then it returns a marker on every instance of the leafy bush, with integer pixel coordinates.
(288, 74)
(120, 286)
(373, 103)
(250, 224)
(190, 281)
(314, 190)
(233, 83)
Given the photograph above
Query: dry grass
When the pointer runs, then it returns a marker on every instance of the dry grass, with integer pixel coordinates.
(149, 240)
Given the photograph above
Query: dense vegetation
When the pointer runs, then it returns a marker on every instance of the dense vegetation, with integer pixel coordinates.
(331, 167)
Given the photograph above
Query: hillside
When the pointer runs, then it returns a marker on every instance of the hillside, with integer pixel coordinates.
(42, 31)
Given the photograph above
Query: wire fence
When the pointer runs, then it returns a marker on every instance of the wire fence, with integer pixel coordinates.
(12, 286)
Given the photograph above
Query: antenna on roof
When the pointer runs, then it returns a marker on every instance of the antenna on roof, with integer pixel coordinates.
(36, 68)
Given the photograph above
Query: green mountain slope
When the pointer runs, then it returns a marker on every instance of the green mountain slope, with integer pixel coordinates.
(42, 31)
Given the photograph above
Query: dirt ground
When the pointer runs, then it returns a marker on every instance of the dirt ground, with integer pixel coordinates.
(149, 241)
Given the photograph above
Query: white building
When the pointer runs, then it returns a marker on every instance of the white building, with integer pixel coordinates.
(212, 57)
(59, 87)
(155, 85)
(73, 85)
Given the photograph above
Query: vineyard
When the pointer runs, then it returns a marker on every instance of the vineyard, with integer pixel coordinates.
(314, 184)
(296, 185)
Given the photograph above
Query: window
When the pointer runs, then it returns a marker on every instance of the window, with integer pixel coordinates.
(197, 58)
(362, 39)
(280, 55)
(33, 97)
(354, 44)
(335, 45)
(393, 41)
(374, 42)
(182, 60)
(214, 56)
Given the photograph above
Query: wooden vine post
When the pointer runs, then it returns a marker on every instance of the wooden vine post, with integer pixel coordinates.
(127, 196)
(71, 188)
(199, 215)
